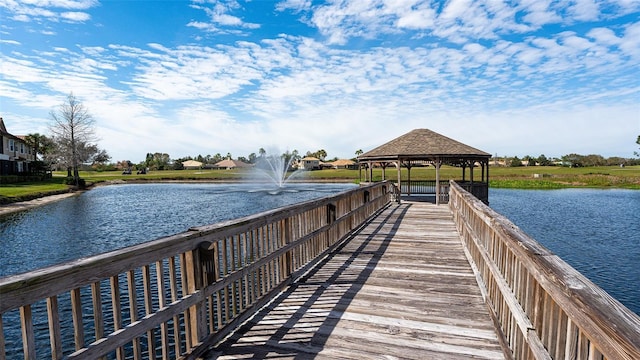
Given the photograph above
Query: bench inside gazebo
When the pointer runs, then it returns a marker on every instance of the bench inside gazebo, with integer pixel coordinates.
(423, 147)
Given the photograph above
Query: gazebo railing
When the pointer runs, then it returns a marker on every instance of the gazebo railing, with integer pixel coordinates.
(428, 187)
(422, 186)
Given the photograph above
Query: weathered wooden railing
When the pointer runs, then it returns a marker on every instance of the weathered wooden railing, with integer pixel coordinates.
(171, 297)
(543, 307)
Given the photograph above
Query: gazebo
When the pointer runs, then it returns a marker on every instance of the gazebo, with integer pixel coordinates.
(422, 147)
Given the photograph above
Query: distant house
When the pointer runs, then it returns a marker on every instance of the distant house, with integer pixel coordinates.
(344, 164)
(15, 155)
(231, 164)
(191, 165)
(309, 163)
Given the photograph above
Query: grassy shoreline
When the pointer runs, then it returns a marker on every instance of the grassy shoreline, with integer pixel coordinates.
(537, 177)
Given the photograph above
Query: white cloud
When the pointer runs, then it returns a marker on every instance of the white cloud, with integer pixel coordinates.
(50, 10)
(295, 5)
(630, 44)
(220, 14)
(9, 42)
(75, 16)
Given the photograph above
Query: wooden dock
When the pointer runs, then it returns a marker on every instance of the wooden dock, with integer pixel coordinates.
(354, 275)
(401, 287)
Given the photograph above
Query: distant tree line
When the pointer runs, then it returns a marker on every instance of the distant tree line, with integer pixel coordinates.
(72, 145)
(569, 160)
(163, 161)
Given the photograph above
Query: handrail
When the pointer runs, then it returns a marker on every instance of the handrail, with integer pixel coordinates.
(178, 294)
(544, 307)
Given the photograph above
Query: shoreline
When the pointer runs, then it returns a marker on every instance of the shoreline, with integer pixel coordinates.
(6, 209)
(30, 204)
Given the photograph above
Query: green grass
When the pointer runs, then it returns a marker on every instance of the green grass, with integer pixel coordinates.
(551, 177)
(30, 190)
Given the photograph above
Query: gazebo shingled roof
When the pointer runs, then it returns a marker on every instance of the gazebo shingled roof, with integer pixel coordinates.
(422, 144)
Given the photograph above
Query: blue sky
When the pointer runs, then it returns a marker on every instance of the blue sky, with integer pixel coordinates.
(203, 77)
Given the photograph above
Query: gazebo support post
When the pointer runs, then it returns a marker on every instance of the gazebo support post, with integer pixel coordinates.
(471, 171)
(437, 164)
(399, 166)
(409, 178)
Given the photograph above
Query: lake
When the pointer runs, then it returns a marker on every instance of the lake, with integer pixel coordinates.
(595, 231)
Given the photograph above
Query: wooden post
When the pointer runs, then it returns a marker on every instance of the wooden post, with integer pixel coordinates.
(370, 171)
(399, 166)
(193, 269)
(409, 178)
(437, 163)
(471, 171)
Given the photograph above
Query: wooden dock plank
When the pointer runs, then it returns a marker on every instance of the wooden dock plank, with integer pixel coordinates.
(401, 289)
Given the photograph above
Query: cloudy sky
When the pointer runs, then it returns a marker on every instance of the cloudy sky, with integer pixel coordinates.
(217, 76)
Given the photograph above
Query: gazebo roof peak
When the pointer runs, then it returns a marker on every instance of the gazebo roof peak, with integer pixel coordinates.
(422, 143)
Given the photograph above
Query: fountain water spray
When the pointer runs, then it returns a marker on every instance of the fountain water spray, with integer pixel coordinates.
(275, 169)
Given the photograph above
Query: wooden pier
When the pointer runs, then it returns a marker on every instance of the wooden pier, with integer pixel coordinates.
(401, 287)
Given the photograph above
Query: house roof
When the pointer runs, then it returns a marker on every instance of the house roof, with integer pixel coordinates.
(4, 132)
(228, 163)
(422, 144)
(191, 163)
(342, 162)
(310, 158)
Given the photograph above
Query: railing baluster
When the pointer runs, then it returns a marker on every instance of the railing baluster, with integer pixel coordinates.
(28, 337)
(148, 306)
(3, 347)
(98, 318)
(133, 311)
(53, 318)
(173, 285)
(116, 310)
(217, 272)
(185, 290)
(164, 331)
(76, 311)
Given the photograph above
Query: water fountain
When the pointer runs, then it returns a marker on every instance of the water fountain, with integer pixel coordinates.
(276, 170)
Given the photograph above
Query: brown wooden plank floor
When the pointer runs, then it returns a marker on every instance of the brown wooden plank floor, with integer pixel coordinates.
(401, 288)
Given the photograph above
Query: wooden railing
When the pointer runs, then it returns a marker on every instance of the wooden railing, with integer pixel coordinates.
(543, 307)
(172, 297)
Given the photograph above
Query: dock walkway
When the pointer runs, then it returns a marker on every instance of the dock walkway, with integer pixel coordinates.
(401, 287)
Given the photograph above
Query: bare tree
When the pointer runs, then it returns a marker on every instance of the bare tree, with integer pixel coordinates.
(73, 129)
